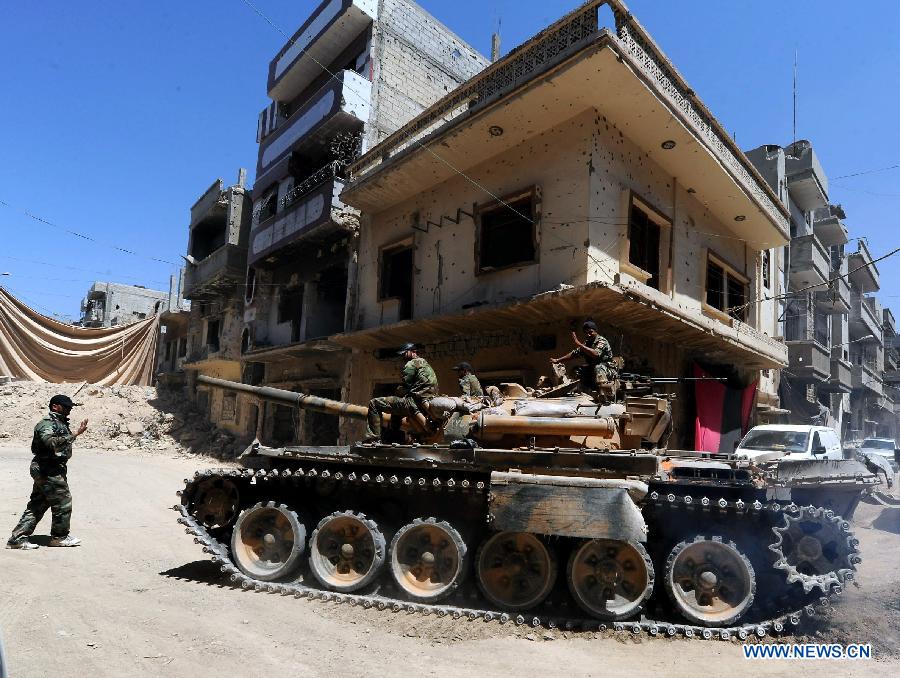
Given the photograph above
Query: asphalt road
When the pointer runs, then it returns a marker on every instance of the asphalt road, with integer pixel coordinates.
(138, 599)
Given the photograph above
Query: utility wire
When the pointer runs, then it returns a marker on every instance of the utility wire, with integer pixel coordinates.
(83, 236)
(871, 171)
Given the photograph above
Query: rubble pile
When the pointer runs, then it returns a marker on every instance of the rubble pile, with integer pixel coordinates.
(120, 418)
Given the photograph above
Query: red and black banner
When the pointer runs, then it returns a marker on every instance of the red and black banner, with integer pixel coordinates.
(723, 413)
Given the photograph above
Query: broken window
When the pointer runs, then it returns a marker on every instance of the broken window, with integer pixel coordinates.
(767, 269)
(643, 243)
(168, 351)
(726, 289)
(250, 286)
(506, 234)
(282, 425)
(229, 407)
(182, 347)
(208, 235)
(290, 310)
(212, 335)
(329, 303)
(397, 278)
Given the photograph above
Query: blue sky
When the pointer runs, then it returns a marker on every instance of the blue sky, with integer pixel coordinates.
(116, 116)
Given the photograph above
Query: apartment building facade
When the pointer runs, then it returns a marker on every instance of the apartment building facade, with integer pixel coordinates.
(352, 74)
(833, 324)
(578, 177)
(214, 275)
(109, 304)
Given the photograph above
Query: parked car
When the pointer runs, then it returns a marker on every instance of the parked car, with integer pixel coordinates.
(794, 442)
(883, 447)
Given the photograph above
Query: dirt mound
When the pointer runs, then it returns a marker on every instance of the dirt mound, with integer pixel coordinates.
(120, 418)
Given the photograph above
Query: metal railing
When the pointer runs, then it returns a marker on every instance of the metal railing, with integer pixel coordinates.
(572, 32)
(321, 175)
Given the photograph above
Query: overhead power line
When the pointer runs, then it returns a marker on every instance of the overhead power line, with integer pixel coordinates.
(89, 238)
(871, 171)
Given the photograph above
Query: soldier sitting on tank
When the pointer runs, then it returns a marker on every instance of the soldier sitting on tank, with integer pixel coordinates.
(468, 382)
(419, 386)
(599, 373)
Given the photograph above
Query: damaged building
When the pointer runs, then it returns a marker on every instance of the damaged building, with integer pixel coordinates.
(838, 335)
(578, 177)
(214, 276)
(351, 75)
(108, 304)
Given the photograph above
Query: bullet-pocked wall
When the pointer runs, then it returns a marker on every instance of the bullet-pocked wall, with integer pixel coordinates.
(587, 177)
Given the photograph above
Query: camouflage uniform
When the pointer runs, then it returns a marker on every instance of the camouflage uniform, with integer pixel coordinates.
(419, 384)
(52, 448)
(470, 386)
(599, 370)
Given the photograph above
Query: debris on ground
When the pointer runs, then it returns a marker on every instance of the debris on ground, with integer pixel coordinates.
(121, 418)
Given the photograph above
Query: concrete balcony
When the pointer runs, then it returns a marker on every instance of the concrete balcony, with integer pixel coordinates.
(562, 71)
(866, 378)
(341, 105)
(864, 319)
(809, 360)
(329, 30)
(841, 379)
(218, 272)
(828, 227)
(807, 182)
(837, 299)
(810, 263)
(888, 324)
(318, 212)
(891, 376)
(866, 278)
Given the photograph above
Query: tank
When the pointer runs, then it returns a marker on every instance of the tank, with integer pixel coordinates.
(543, 507)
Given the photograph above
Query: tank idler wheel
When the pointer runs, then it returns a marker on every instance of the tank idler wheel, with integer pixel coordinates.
(268, 541)
(516, 571)
(710, 581)
(610, 579)
(346, 551)
(215, 503)
(427, 559)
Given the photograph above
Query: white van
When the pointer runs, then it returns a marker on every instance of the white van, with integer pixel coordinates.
(790, 442)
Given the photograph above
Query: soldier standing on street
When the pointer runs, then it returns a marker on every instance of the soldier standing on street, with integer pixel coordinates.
(599, 369)
(468, 382)
(52, 449)
(419, 385)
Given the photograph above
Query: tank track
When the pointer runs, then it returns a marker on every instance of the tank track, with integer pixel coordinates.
(807, 605)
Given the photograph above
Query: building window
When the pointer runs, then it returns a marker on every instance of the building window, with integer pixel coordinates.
(290, 310)
(182, 347)
(726, 289)
(212, 335)
(647, 241)
(767, 269)
(507, 232)
(396, 277)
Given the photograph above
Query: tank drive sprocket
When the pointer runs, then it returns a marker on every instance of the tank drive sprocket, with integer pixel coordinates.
(814, 548)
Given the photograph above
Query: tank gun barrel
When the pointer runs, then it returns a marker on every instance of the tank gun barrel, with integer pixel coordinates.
(292, 398)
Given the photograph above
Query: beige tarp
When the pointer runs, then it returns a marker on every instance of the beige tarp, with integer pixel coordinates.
(38, 348)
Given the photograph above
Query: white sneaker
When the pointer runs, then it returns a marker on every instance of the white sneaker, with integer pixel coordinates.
(24, 545)
(68, 540)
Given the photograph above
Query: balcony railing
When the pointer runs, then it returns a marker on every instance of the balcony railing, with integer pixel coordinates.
(571, 33)
(865, 377)
(807, 182)
(329, 171)
(888, 324)
(836, 298)
(828, 226)
(810, 262)
(841, 379)
(223, 268)
(809, 360)
(864, 320)
(864, 274)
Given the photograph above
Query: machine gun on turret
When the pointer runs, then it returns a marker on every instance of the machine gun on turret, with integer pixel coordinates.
(634, 383)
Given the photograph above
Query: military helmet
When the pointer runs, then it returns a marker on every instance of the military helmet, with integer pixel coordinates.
(406, 347)
(463, 366)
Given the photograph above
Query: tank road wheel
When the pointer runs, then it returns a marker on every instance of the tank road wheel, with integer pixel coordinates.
(346, 551)
(710, 581)
(815, 548)
(215, 503)
(427, 558)
(610, 579)
(268, 541)
(516, 571)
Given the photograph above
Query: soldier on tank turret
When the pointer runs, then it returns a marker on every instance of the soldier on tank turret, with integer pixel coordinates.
(599, 371)
(419, 386)
(468, 382)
